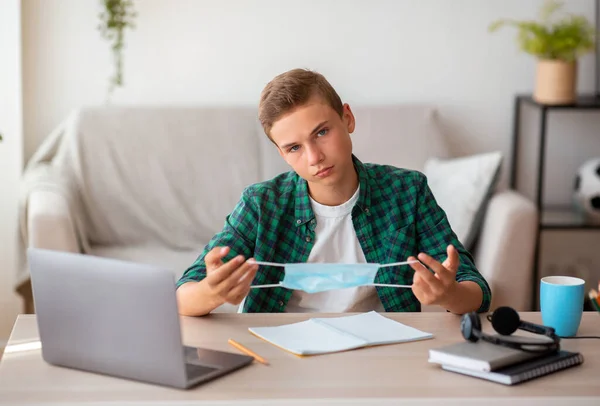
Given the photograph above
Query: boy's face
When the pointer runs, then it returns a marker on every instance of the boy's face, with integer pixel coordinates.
(315, 141)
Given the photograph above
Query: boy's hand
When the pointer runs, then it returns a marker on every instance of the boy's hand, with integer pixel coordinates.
(440, 287)
(228, 282)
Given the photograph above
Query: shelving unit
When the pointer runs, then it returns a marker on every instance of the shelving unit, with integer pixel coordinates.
(551, 218)
(564, 218)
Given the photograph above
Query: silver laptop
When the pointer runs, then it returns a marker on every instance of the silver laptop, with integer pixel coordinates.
(117, 318)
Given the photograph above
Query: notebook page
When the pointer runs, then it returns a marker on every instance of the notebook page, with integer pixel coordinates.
(307, 338)
(376, 329)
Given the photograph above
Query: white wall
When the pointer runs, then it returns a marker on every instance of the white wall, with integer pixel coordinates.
(374, 52)
(11, 157)
(224, 52)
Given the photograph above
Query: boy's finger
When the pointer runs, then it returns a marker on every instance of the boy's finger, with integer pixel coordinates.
(238, 292)
(237, 275)
(249, 271)
(214, 257)
(224, 271)
(420, 287)
(441, 272)
(423, 272)
(451, 263)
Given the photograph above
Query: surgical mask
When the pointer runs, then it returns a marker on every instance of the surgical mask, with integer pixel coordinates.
(319, 277)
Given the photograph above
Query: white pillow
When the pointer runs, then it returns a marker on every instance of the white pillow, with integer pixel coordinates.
(463, 187)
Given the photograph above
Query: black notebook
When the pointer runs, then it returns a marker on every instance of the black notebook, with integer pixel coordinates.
(526, 370)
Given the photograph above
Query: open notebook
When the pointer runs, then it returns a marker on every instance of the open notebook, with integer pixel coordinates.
(325, 335)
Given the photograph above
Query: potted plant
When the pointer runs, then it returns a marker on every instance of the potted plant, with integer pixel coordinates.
(116, 16)
(557, 41)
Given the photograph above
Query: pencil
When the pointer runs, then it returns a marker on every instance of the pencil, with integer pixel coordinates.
(248, 352)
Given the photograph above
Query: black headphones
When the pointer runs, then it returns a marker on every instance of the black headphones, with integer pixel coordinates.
(505, 320)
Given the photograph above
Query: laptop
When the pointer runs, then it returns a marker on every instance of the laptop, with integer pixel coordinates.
(117, 318)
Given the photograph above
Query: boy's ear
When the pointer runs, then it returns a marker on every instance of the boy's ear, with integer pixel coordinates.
(348, 118)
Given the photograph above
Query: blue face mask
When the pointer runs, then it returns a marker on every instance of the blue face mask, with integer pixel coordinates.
(318, 277)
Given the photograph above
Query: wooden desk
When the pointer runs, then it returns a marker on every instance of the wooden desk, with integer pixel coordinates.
(391, 374)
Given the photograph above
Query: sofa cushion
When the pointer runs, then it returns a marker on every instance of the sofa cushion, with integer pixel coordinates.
(164, 176)
(174, 261)
(271, 163)
(404, 135)
(463, 188)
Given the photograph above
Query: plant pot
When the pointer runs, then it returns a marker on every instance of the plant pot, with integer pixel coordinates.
(555, 82)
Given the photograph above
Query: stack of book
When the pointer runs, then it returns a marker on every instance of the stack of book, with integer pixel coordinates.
(501, 364)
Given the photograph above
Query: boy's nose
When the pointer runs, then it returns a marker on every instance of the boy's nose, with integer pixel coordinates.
(315, 155)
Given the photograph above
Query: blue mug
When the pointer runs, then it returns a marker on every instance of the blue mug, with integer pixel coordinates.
(561, 303)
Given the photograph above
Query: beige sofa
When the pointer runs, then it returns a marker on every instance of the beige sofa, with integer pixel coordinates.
(153, 184)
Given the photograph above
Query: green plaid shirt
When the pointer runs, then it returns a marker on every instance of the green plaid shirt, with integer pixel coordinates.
(396, 216)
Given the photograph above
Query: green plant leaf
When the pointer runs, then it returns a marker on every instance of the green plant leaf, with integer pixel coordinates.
(116, 16)
(566, 38)
(548, 9)
(496, 25)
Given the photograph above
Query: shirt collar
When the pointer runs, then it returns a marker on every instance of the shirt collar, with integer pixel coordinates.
(304, 213)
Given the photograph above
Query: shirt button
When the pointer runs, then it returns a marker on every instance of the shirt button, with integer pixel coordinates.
(298, 221)
(281, 303)
(308, 239)
(312, 221)
(367, 211)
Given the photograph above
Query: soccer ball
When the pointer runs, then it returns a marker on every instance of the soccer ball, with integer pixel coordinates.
(587, 190)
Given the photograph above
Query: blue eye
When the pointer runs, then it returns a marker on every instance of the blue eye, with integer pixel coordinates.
(294, 148)
(323, 132)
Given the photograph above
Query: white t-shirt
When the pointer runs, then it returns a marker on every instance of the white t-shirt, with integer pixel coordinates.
(335, 242)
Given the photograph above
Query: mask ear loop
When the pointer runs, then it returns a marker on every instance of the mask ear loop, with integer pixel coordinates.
(273, 285)
(399, 263)
(252, 261)
(388, 285)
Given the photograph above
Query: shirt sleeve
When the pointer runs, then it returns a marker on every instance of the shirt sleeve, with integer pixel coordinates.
(238, 233)
(435, 234)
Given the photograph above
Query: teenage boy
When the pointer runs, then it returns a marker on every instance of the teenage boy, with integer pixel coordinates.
(331, 208)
